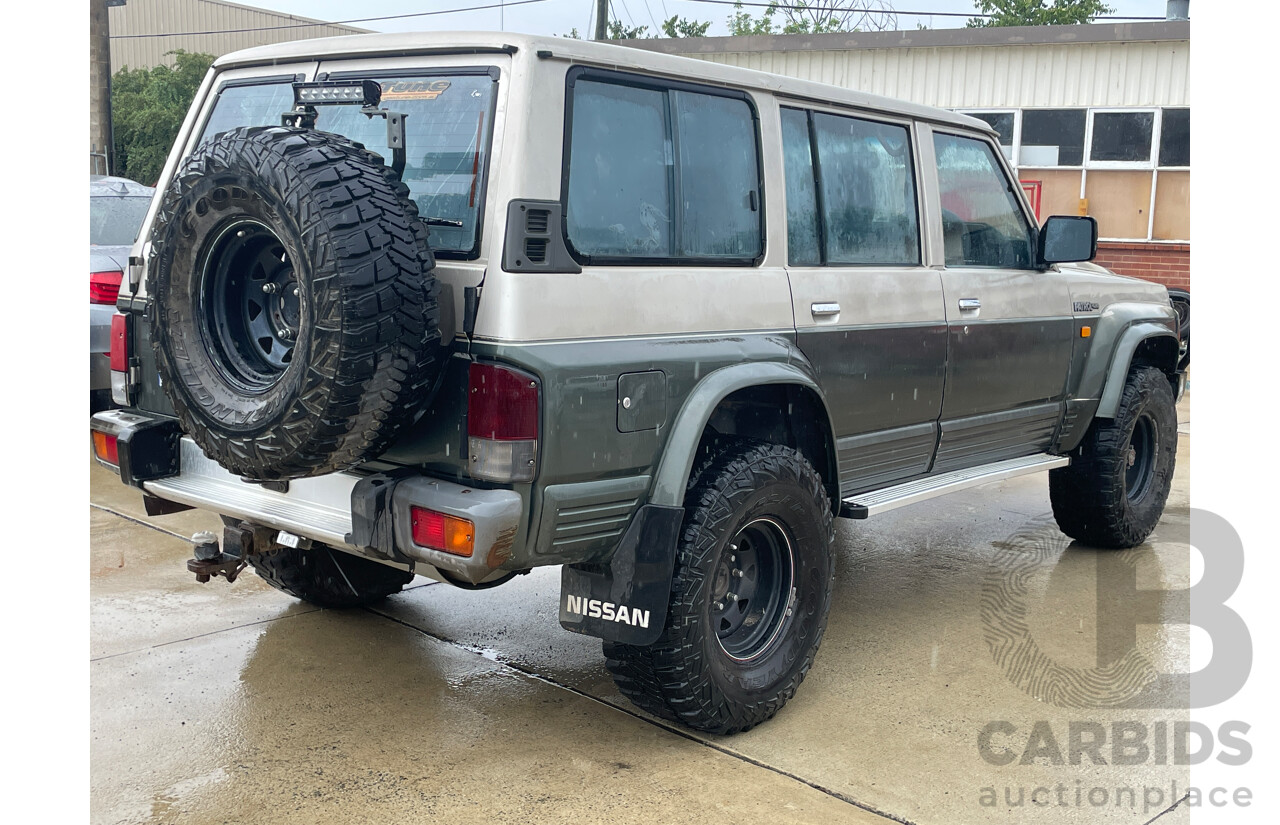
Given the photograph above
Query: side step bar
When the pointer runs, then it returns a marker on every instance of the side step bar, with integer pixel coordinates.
(867, 504)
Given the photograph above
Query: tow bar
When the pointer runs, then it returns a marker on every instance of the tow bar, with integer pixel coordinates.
(211, 562)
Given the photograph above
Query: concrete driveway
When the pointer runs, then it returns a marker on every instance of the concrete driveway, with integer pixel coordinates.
(964, 634)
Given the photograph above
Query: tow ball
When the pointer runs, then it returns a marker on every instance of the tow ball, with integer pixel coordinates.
(211, 562)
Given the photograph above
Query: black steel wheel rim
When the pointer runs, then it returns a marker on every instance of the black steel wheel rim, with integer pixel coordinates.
(752, 587)
(1140, 458)
(251, 306)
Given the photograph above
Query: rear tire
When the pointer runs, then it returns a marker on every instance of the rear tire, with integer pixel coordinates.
(749, 598)
(1114, 492)
(326, 577)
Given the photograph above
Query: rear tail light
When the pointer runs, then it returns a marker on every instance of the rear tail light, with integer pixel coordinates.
(104, 287)
(120, 359)
(502, 424)
(440, 532)
(106, 448)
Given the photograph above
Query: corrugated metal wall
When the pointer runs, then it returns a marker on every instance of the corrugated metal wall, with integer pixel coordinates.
(166, 16)
(1077, 74)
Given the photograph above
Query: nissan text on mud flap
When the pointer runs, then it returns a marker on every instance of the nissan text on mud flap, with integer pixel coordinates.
(468, 304)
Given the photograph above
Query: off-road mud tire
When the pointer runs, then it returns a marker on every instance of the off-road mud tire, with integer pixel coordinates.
(326, 577)
(687, 675)
(365, 349)
(1090, 498)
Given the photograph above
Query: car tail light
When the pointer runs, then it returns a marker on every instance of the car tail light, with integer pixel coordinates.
(104, 287)
(120, 359)
(502, 424)
(440, 532)
(106, 448)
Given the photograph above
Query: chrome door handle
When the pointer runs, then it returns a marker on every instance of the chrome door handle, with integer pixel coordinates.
(970, 303)
(824, 310)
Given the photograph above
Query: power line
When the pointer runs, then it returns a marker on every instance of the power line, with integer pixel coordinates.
(895, 11)
(656, 29)
(329, 22)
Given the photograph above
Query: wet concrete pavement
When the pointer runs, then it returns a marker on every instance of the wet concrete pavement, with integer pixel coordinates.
(235, 703)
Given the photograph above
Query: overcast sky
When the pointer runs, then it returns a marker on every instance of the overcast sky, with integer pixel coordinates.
(559, 16)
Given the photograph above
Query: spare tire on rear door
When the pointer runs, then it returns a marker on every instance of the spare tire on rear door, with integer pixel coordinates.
(293, 310)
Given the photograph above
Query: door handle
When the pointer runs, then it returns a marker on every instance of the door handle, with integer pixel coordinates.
(824, 310)
(970, 303)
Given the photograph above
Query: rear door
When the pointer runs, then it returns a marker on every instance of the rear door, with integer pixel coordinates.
(1010, 326)
(869, 314)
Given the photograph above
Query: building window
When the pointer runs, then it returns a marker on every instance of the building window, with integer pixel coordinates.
(1122, 137)
(1175, 137)
(1052, 137)
(662, 174)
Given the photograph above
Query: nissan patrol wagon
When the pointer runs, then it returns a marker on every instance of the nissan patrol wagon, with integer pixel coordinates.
(466, 304)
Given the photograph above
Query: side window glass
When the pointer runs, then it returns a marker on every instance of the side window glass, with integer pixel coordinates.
(620, 169)
(982, 222)
(868, 191)
(662, 173)
(802, 192)
(719, 178)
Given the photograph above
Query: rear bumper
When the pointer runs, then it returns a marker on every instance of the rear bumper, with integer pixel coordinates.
(322, 508)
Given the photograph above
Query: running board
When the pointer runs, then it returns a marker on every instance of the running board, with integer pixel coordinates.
(867, 504)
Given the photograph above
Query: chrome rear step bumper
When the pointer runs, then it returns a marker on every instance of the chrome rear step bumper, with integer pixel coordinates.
(320, 509)
(864, 505)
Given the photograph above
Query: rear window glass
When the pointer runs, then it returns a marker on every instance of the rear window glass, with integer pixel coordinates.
(447, 126)
(114, 221)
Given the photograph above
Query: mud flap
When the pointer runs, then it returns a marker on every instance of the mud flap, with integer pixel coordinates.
(625, 601)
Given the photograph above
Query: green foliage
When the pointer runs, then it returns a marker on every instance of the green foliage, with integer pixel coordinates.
(1038, 12)
(800, 17)
(679, 27)
(675, 26)
(617, 31)
(147, 108)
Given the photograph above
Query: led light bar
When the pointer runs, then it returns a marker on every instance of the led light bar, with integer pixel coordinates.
(327, 92)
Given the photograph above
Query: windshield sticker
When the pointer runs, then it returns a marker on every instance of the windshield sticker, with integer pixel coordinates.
(414, 89)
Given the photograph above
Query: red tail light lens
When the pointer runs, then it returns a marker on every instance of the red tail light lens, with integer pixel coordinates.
(104, 287)
(502, 423)
(502, 405)
(119, 343)
(106, 448)
(440, 532)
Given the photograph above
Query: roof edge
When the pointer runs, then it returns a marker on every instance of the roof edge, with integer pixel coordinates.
(1164, 30)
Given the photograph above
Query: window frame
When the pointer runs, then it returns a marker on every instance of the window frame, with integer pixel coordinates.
(1158, 165)
(660, 84)
(495, 74)
(1012, 180)
(1157, 118)
(915, 165)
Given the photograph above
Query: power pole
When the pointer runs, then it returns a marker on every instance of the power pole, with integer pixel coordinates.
(602, 20)
(100, 147)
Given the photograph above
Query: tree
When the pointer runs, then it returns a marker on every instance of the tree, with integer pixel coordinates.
(147, 108)
(1038, 12)
(673, 27)
(816, 17)
(679, 27)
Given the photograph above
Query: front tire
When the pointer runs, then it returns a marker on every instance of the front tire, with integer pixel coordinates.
(1114, 491)
(749, 598)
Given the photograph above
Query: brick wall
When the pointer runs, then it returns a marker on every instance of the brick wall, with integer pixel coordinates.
(1164, 263)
